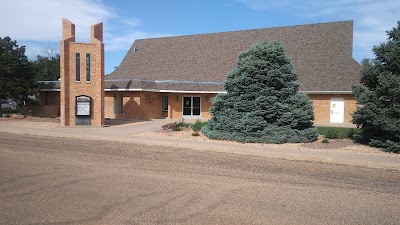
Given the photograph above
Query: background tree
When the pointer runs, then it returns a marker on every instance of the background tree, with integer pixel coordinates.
(379, 113)
(262, 103)
(47, 65)
(17, 79)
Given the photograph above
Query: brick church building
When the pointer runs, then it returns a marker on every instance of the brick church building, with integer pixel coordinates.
(176, 77)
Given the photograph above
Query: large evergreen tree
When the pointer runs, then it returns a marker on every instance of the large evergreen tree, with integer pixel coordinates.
(262, 103)
(17, 79)
(378, 114)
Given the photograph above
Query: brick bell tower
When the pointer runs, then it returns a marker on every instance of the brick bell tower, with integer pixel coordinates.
(82, 77)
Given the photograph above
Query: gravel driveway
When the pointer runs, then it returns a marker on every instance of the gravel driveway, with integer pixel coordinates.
(186, 134)
(50, 180)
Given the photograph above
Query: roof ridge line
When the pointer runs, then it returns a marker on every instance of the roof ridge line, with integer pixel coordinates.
(252, 29)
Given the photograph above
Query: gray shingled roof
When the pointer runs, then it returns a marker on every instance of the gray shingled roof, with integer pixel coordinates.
(162, 85)
(321, 55)
(149, 85)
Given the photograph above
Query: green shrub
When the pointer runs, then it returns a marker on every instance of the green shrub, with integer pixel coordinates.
(333, 133)
(176, 128)
(196, 133)
(183, 124)
(387, 145)
(338, 132)
(325, 141)
(198, 125)
(352, 132)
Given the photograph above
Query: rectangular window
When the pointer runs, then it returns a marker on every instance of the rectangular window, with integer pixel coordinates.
(46, 94)
(87, 67)
(164, 106)
(191, 106)
(121, 104)
(115, 104)
(78, 67)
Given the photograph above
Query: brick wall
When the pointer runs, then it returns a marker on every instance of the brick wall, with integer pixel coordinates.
(51, 111)
(141, 105)
(49, 98)
(70, 87)
(147, 105)
(176, 104)
(49, 103)
(322, 103)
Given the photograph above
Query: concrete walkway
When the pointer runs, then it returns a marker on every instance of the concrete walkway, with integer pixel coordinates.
(129, 133)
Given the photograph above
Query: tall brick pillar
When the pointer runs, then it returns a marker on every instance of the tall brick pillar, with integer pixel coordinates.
(82, 77)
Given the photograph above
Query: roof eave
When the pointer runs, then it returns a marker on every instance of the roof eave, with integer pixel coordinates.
(201, 92)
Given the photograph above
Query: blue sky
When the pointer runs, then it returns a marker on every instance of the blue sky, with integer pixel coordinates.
(37, 23)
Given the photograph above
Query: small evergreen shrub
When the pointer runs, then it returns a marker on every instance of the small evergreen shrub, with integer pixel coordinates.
(325, 141)
(196, 133)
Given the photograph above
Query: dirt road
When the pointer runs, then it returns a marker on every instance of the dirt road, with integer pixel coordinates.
(45, 180)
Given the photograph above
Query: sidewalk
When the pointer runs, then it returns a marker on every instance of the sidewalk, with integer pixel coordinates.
(129, 134)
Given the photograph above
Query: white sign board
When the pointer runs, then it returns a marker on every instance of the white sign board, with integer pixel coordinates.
(82, 108)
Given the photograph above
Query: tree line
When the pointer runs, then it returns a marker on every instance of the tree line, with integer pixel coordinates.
(19, 76)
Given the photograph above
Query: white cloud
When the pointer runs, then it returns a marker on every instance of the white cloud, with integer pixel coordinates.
(134, 22)
(40, 20)
(371, 18)
(38, 23)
